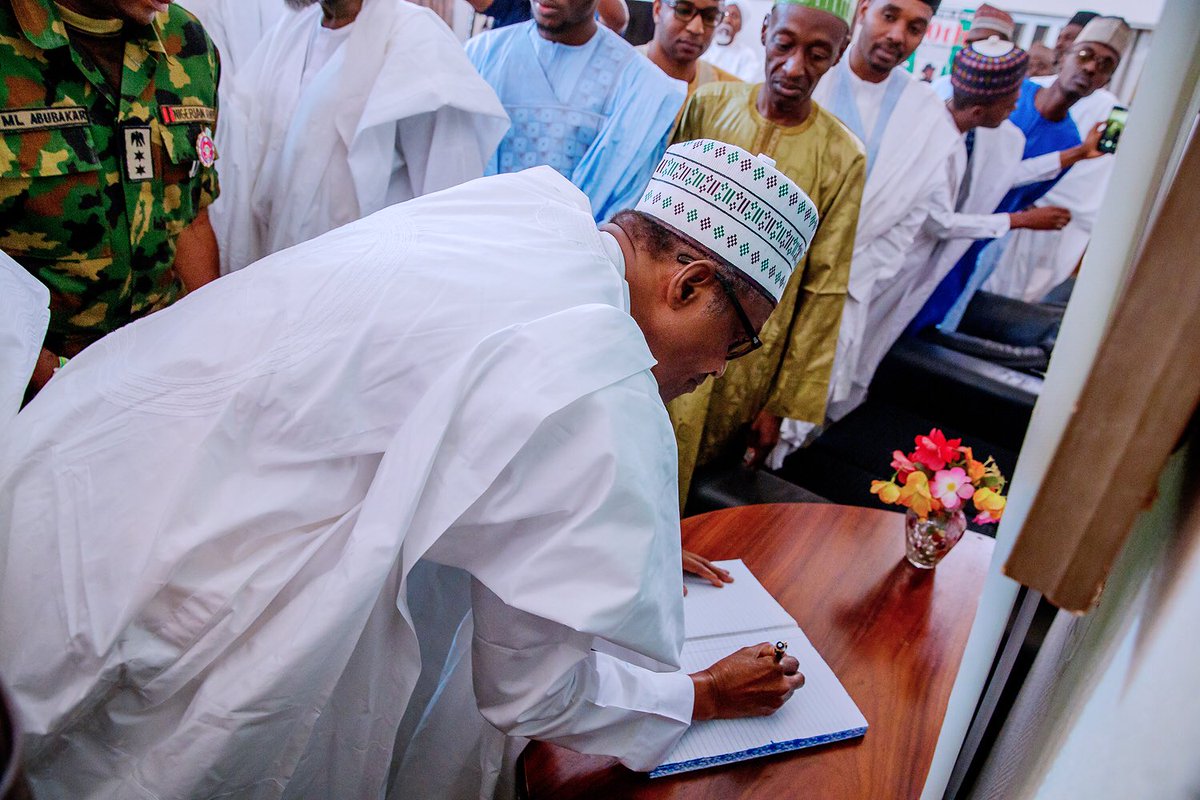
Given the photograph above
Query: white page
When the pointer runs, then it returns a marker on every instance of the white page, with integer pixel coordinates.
(818, 713)
(743, 605)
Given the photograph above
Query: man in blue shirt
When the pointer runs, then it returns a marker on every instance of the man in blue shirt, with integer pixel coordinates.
(581, 100)
(1043, 115)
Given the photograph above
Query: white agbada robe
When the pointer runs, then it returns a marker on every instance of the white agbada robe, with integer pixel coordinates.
(396, 112)
(214, 511)
(903, 176)
(1034, 262)
(24, 318)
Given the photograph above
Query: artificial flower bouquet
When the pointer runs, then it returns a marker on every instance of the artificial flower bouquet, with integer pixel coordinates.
(941, 477)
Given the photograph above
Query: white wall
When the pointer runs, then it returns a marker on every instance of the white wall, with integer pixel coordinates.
(1109, 709)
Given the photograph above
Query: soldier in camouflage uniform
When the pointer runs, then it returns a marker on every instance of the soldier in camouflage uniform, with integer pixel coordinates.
(106, 159)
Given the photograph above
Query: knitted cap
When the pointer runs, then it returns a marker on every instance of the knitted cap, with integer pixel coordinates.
(842, 9)
(1082, 18)
(737, 205)
(1112, 31)
(988, 69)
(990, 18)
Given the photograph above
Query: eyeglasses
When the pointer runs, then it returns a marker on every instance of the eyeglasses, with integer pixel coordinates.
(1087, 55)
(752, 341)
(685, 11)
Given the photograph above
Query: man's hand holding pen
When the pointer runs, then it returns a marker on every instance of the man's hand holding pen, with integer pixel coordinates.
(753, 682)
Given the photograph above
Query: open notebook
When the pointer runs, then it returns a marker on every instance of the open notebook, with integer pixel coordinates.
(719, 621)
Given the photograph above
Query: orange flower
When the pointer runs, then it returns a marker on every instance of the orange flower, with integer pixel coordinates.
(916, 494)
(975, 470)
(887, 491)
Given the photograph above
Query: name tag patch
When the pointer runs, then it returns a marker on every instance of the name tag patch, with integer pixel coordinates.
(177, 115)
(41, 119)
(139, 166)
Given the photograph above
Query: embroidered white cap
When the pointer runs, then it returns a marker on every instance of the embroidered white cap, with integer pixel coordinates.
(737, 206)
(1112, 31)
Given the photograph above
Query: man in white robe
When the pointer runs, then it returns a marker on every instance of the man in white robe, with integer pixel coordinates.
(986, 81)
(214, 514)
(908, 139)
(1043, 115)
(1035, 261)
(732, 49)
(340, 113)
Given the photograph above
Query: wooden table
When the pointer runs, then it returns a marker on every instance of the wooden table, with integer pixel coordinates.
(893, 634)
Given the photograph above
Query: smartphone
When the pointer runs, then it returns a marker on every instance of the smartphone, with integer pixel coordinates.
(1112, 131)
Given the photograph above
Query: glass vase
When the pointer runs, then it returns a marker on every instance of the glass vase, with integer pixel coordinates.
(927, 541)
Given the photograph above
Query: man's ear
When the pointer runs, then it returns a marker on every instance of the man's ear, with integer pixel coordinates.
(860, 14)
(656, 9)
(766, 24)
(690, 284)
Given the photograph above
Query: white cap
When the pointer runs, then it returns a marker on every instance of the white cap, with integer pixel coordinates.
(736, 205)
(1112, 31)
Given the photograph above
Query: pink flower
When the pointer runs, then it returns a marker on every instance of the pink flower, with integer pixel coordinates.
(985, 519)
(934, 450)
(951, 487)
(902, 464)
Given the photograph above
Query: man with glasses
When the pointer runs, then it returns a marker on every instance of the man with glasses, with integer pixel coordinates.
(280, 499)
(683, 31)
(736, 417)
(1043, 115)
(1034, 262)
(986, 79)
(735, 50)
(581, 100)
(1069, 33)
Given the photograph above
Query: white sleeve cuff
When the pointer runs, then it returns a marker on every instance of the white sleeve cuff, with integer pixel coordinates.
(664, 694)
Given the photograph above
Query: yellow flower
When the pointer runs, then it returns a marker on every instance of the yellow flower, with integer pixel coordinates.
(888, 491)
(990, 503)
(916, 494)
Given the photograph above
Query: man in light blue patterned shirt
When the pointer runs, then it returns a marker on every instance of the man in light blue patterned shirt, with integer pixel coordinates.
(582, 101)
